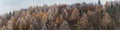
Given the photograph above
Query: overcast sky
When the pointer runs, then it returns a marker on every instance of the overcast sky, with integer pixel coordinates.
(7, 6)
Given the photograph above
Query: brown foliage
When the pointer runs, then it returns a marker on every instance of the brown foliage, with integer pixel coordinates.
(62, 17)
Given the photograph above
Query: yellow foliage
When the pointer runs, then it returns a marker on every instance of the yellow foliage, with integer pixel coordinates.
(107, 4)
(74, 14)
(33, 14)
(43, 15)
(98, 7)
(59, 20)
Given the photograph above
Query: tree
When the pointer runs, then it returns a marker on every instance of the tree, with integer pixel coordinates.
(74, 14)
(99, 2)
(83, 23)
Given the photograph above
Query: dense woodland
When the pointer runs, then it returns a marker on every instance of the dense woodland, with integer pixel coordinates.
(78, 16)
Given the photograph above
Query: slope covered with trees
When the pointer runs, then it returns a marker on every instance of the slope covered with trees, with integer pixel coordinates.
(78, 16)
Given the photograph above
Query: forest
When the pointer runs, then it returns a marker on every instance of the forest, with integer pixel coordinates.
(78, 16)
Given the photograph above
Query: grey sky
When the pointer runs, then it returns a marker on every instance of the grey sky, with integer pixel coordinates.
(7, 6)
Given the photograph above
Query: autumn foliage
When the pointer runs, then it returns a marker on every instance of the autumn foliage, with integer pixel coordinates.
(78, 16)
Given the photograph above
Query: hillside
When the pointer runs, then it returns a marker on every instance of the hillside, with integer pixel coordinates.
(78, 16)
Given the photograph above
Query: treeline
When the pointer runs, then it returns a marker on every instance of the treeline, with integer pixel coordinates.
(78, 16)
